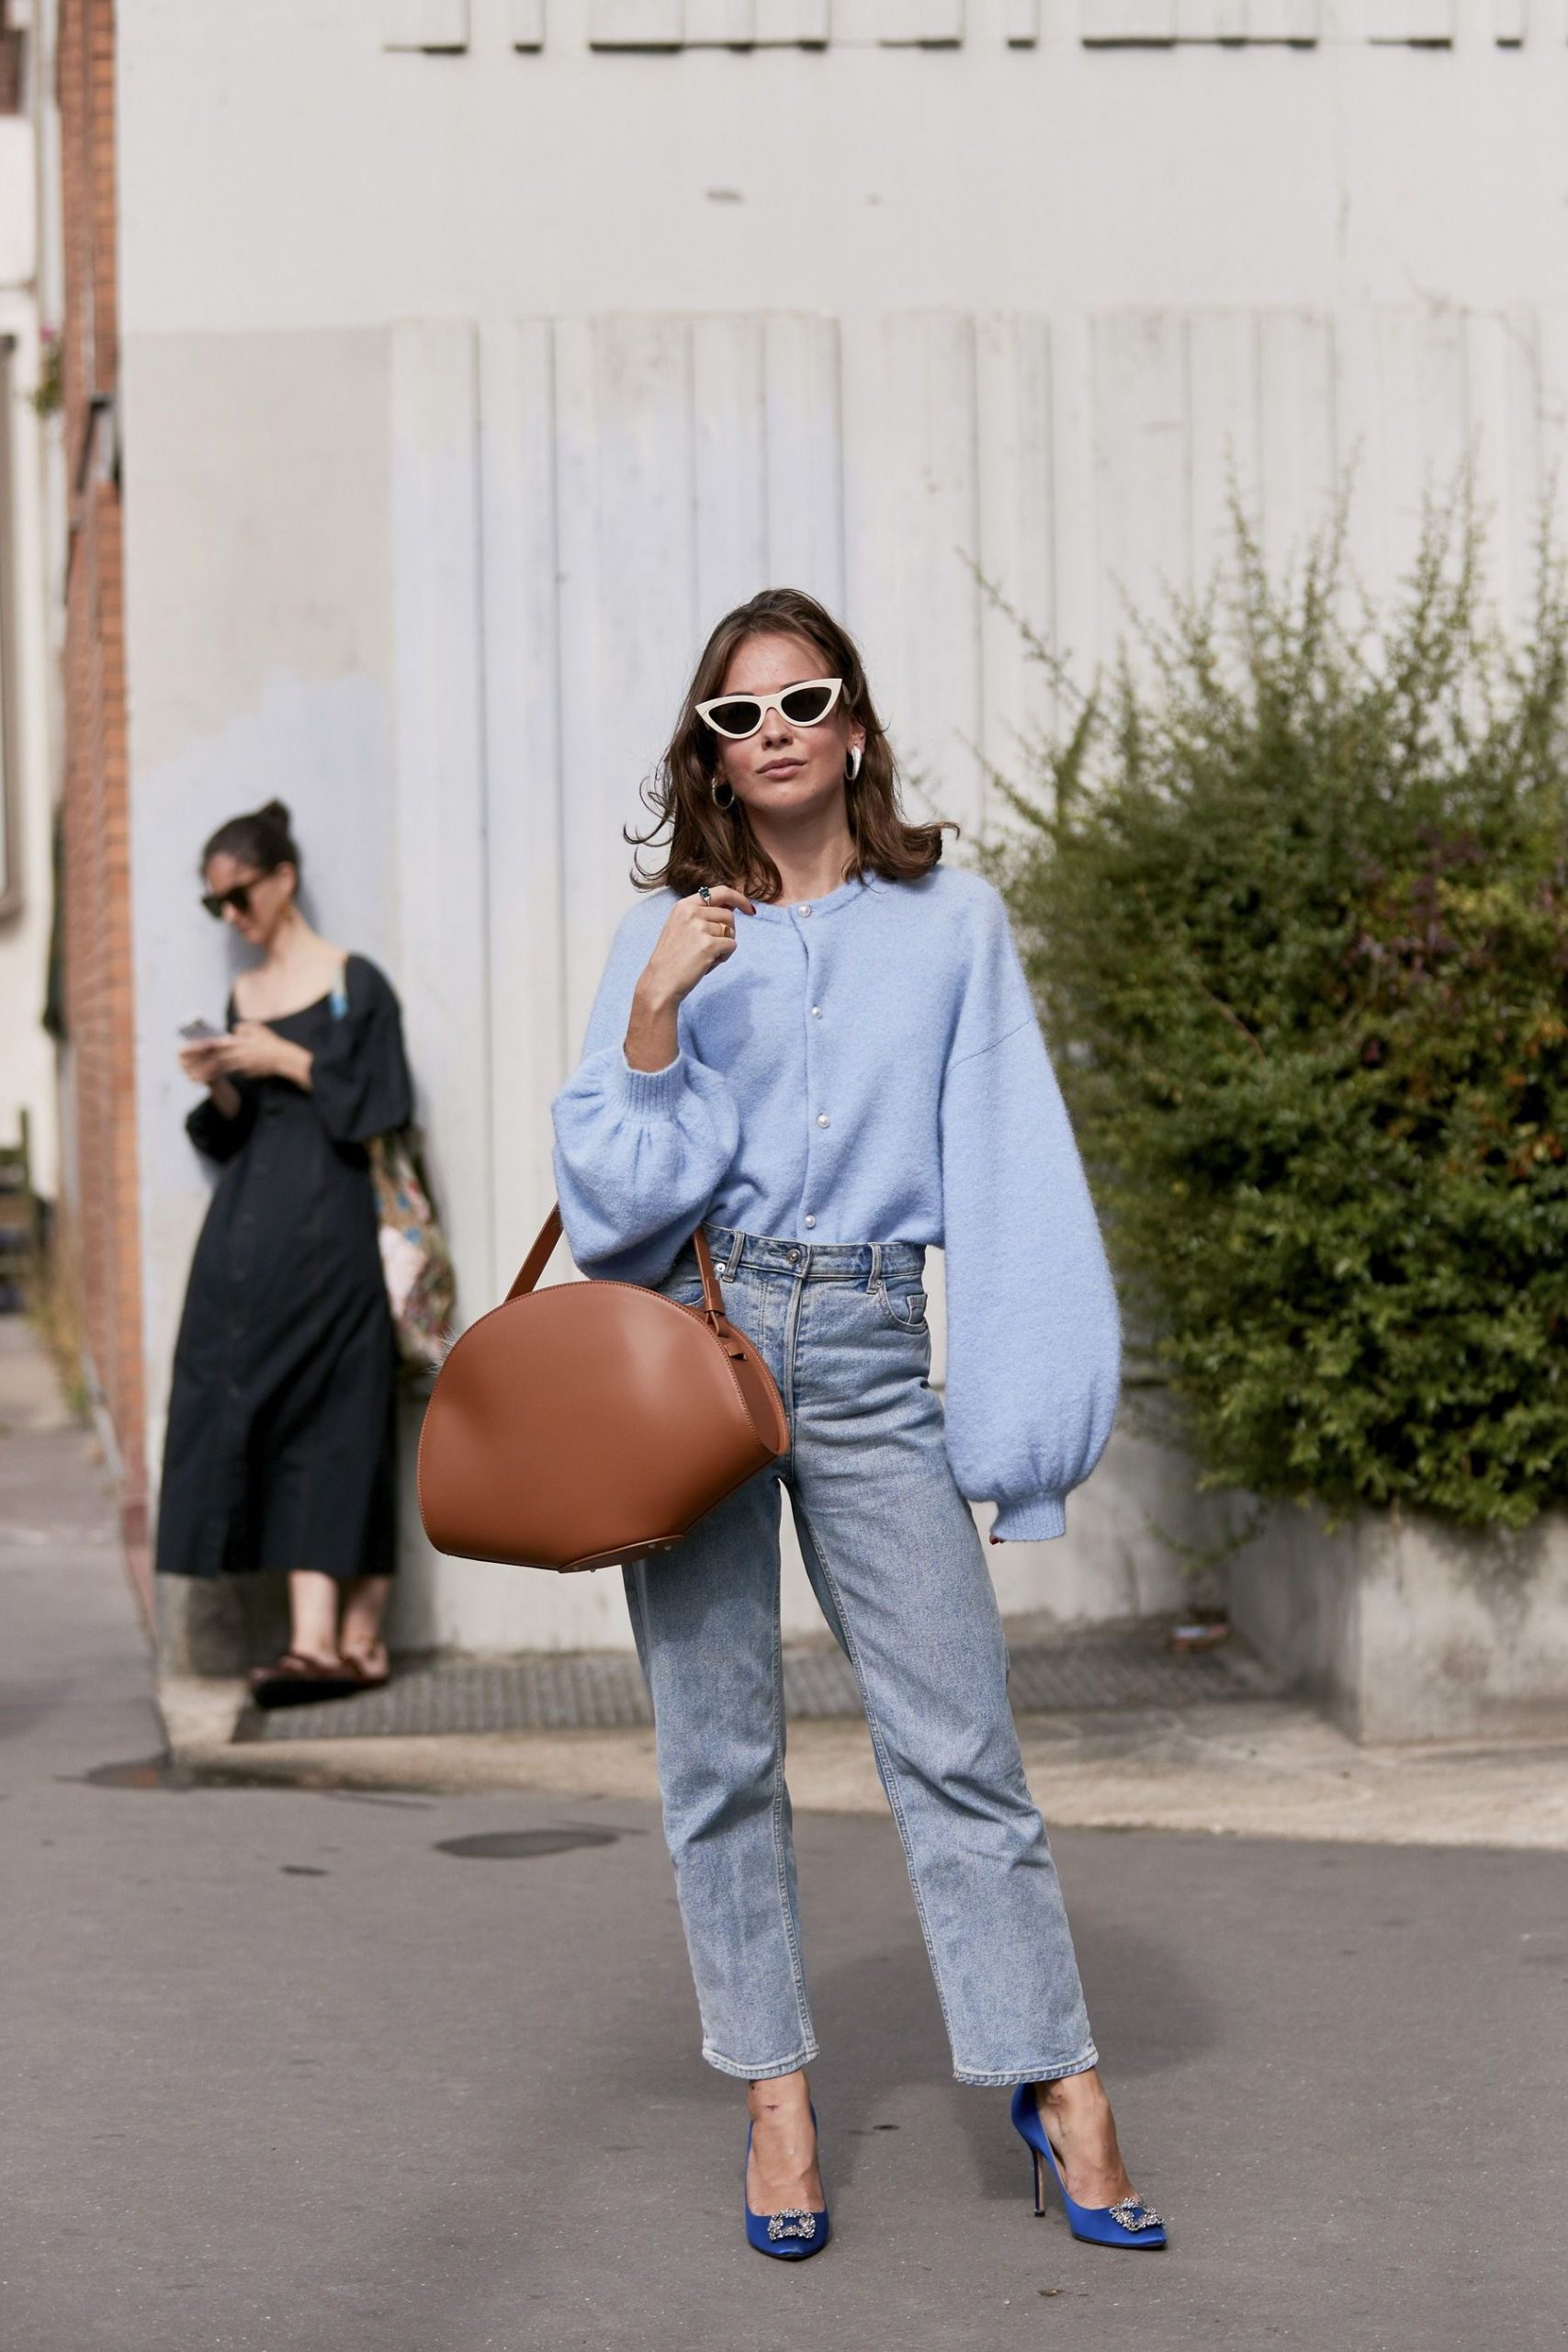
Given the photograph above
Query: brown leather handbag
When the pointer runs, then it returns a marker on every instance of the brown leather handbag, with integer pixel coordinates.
(593, 1422)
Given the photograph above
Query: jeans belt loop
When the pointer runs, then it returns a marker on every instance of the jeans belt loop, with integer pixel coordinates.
(874, 1282)
(727, 1272)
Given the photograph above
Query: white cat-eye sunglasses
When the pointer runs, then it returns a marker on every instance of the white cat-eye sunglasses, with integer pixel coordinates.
(735, 716)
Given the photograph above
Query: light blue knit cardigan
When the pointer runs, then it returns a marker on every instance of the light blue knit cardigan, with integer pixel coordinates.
(868, 1068)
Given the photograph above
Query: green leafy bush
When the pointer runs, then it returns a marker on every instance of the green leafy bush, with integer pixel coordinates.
(1292, 894)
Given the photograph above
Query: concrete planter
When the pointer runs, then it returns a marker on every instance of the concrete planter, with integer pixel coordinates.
(1405, 1629)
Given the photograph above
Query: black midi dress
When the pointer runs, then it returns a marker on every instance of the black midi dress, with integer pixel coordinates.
(280, 1451)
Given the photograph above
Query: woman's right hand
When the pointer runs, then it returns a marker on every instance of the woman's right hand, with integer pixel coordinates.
(698, 934)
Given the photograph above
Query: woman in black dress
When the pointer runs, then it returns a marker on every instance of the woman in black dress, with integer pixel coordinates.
(280, 1446)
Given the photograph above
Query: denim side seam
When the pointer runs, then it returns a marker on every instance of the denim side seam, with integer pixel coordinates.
(786, 1364)
(781, 1842)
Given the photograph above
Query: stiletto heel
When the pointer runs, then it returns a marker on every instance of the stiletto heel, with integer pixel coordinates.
(791, 2235)
(1130, 2222)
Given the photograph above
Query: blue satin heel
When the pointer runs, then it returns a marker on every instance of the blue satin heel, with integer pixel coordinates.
(1132, 2222)
(789, 2236)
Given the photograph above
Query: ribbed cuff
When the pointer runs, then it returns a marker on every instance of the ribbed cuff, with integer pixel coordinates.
(1033, 1519)
(654, 1091)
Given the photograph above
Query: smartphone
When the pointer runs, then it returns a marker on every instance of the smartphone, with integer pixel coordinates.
(197, 1032)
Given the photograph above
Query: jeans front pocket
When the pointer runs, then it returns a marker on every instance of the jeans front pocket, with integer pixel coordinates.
(903, 1304)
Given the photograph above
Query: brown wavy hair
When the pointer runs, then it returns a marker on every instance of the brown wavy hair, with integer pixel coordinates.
(707, 843)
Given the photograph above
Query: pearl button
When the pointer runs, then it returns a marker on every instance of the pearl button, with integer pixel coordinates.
(822, 1119)
(811, 1220)
(805, 911)
(816, 1013)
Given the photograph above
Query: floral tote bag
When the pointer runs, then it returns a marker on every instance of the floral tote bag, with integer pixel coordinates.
(416, 1264)
(415, 1261)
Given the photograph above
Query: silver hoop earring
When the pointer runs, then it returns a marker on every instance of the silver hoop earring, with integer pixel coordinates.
(719, 785)
(851, 765)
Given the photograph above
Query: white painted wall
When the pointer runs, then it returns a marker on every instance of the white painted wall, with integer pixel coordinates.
(465, 391)
(18, 237)
(259, 645)
(27, 1054)
(284, 171)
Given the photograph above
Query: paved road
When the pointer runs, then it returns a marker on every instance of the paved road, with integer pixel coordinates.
(286, 2074)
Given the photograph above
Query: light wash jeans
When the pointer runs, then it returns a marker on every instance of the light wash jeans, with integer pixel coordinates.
(896, 1564)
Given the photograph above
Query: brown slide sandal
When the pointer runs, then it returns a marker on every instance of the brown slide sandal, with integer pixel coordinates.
(297, 1682)
(363, 1678)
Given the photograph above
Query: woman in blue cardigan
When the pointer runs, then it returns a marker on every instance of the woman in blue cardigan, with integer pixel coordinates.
(818, 1042)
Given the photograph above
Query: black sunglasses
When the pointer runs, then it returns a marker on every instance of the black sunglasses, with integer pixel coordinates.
(239, 897)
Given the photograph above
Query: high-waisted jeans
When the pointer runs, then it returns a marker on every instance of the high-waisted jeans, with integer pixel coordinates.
(896, 1564)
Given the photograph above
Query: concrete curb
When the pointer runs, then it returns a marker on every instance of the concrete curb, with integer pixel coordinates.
(1256, 1769)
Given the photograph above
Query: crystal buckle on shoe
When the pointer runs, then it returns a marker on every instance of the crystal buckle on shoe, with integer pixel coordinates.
(1133, 2214)
(795, 2223)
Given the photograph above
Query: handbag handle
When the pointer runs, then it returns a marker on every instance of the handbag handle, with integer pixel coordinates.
(539, 1257)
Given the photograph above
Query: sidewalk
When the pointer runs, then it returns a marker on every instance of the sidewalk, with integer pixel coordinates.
(1221, 1761)
(1268, 1769)
(291, 2071)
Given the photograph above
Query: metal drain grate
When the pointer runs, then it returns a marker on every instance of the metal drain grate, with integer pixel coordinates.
(604, 1691)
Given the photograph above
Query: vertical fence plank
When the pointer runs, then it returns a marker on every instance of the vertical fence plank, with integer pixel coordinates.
(1360, 434)
(438, 764)
(585, 652)
(1143, 465)
(804, 464)
(1528, 351)
(1550, 394)
(424, 23)
(526, 26)
(529, 1046)
(1023, 23)
(911, 529)
(1075, 536)
(731, 465)
(626, 660)
(1490, 453)
(1298, 451)
(1223, 431)
(1014, 443)
(1404, 414)
(1527, 433)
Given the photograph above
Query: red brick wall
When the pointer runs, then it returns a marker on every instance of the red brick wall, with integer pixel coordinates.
(103, 1240)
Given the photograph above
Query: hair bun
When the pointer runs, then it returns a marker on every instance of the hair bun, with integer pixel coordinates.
(263, 839)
